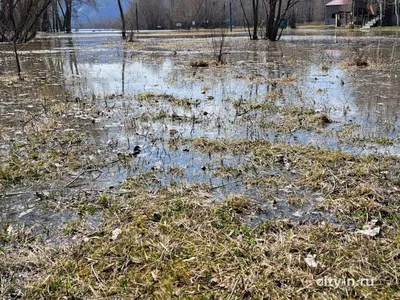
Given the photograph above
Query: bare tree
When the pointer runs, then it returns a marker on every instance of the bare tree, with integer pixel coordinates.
(188, 11)
(68, 10)
(255, 4)
(380, 4)
(396, 11)
(20, 21)
(308, 6)
(219, 45)
(68, 16)
(123, 23)
(246, 19)
(276, 11)
(152, 13)
(129, 19)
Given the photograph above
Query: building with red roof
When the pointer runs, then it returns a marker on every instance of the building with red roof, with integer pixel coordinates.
(359, 12)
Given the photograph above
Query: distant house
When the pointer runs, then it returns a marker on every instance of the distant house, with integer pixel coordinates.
(359, 12)
(339, 12)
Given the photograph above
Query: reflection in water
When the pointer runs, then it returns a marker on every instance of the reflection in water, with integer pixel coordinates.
(124, 58)
(73, 64)
(99, 67)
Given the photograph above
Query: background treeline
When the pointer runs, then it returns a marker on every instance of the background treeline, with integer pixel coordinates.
(62, 15)
(21, 19)
(214, 13)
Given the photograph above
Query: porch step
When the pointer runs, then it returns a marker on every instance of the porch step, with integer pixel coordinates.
(372, 22)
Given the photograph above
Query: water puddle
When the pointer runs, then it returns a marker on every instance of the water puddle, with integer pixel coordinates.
(141, 105)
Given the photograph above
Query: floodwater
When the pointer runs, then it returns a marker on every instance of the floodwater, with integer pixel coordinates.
(306, 69)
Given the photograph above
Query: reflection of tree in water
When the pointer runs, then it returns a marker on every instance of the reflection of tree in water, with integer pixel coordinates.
(378, 100)
(70, 66)
(377, 88)
(124, 58)
(73, 65)
(45, 86)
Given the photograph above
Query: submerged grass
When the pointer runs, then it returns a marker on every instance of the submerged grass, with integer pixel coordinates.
(170, 243)
(163, 242)
(356, 188)
(45, 153)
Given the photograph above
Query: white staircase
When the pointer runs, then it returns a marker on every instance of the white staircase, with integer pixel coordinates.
(372, 22)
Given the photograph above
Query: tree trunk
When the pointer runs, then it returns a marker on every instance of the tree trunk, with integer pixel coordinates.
(68, 16)
(246, 20)
(45, 22)
(20, 22)
(54, 15)
(272, 29)
(255, 19)
(276, 17)
(292, 19)
(396, 11)
(123, 23)
(17, 61)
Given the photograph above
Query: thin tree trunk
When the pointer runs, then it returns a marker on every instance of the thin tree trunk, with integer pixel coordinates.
(255, 19)
(54, 12)
(396, 11)
(123, 70)
(45, 21)
(68, 16)
(17, 60)
(246, 19)
(123, 23)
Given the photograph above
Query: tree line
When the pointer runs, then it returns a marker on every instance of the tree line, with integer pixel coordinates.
(57, 15)
(187, 14)
(21, 19)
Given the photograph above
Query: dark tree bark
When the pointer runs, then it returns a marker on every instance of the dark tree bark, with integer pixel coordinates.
(68, 16)
(123, 23)
(255, 4)
(276, 11)
(245, 18)
(17, 61)
(45, 26)
(20, 21)
(255, 11)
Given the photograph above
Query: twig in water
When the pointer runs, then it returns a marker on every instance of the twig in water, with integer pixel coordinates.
(80, 174)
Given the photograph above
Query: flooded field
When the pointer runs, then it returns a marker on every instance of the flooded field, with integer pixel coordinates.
(95, 117)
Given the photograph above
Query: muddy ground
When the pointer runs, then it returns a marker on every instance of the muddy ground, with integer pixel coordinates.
(278, 165)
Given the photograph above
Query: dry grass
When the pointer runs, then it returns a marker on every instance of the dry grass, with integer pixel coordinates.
(292, 118)
(356, 188)
(171, 244)
(199, 64)
(46, 148)
(371, 56)
(238, 146)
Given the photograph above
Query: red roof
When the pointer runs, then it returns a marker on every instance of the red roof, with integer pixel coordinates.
(338, 2)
